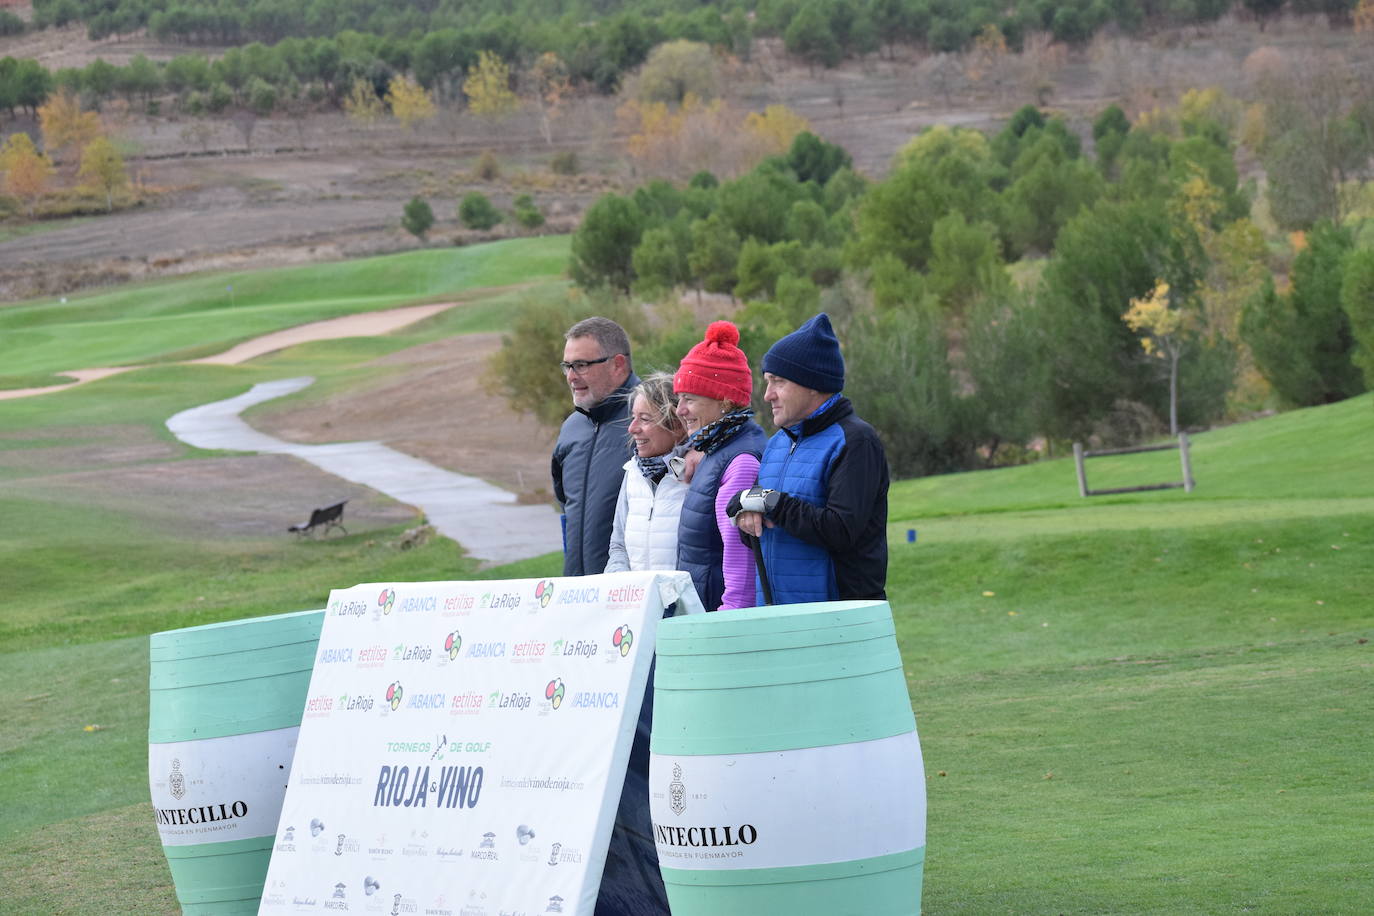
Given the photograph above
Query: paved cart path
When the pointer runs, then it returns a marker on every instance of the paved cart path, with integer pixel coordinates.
(487, 520)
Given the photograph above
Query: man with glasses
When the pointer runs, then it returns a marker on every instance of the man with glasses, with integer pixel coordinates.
(594, 443)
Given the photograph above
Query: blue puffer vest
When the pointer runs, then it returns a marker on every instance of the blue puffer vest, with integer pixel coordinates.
(798, 570)
(700, 550)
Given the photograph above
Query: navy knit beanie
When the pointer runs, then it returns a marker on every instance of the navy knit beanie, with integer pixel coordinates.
(809, 356)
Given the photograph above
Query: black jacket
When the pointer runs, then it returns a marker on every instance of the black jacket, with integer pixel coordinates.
(829, 539)
(588, 466)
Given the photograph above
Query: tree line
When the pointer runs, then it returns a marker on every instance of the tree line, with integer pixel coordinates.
(996, 291)
(602, 41)
(313, 54)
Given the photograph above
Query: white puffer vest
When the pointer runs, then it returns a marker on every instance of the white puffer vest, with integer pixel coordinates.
(651, 519)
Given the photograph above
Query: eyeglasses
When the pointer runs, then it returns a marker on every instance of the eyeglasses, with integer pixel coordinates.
(581, 365)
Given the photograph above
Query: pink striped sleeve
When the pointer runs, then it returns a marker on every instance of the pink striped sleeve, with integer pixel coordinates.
(738, 562)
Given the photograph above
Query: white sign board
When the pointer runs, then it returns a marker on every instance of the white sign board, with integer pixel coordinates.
(464, 744)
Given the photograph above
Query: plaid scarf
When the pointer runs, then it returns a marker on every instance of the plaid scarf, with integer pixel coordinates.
(712, 436)
(653, 468)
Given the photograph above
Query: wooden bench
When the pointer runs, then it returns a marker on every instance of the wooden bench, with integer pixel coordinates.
(1186, 484)
(328, 517)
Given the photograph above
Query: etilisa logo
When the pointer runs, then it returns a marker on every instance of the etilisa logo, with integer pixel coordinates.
(177, 782)
(555, 905)
(316, 826)
(543, 592)
(371, 885)
(523, 834)
(453, 645)
(554, 692)
(387, 600)
(623, 638)
(677, 792)
(394, 694)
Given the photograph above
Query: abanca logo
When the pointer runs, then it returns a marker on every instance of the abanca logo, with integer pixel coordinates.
(386, 600)
(394, 693)
(543, 592)
(453, 645)
(555, 692)
(623, 638)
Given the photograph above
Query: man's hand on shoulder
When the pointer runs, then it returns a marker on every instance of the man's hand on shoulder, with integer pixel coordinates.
(685, 465)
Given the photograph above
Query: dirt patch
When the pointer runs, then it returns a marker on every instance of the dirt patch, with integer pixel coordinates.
(40, 452)
(129, 469)
(222, 498)
(434, 408)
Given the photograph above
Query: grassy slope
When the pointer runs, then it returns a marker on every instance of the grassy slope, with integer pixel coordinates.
(206, 314)
(1162, 707)
(88, 574)
(1155, 703)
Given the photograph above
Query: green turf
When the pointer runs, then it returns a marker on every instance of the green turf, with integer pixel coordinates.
(1319, 452)
(1150, 703)
(206, 314)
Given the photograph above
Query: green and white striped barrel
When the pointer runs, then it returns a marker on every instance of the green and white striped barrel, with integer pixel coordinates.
(225, 706)
(785, 770)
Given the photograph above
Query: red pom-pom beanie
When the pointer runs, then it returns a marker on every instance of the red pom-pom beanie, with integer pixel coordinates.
(716, 367)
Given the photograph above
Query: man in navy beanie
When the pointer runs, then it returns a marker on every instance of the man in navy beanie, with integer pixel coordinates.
(820, 507)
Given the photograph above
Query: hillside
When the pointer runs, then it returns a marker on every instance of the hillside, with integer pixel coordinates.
(318, 187)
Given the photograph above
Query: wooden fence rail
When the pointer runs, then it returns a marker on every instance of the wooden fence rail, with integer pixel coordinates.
(1187, 483)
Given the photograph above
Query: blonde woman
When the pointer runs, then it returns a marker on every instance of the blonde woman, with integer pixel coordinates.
(644, 535)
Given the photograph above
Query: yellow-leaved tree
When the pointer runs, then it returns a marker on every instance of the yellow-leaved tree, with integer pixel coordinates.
(488, 87)
(775, 128)
(1162, 328)
(1363, 17)
(704, 136)
(697, 136)
(409, 101)
(102, 168)
(65, 126)
(1232, 269)
(26, 170)
(988, 58)
(552, 85)
(361, 104)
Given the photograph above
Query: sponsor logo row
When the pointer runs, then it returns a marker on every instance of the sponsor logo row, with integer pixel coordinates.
(546, 593)
(520, 842)
(450, 647)
(351, 886)
(556, 694)
(368, 896)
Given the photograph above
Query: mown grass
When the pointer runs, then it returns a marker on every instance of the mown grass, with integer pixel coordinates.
(1152, 703)
(205, 314)
(1148, 703)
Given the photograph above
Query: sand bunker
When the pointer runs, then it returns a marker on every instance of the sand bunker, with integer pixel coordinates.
(365, 324)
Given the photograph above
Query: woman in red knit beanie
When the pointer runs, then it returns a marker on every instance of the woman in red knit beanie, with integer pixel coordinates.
(715, 384)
